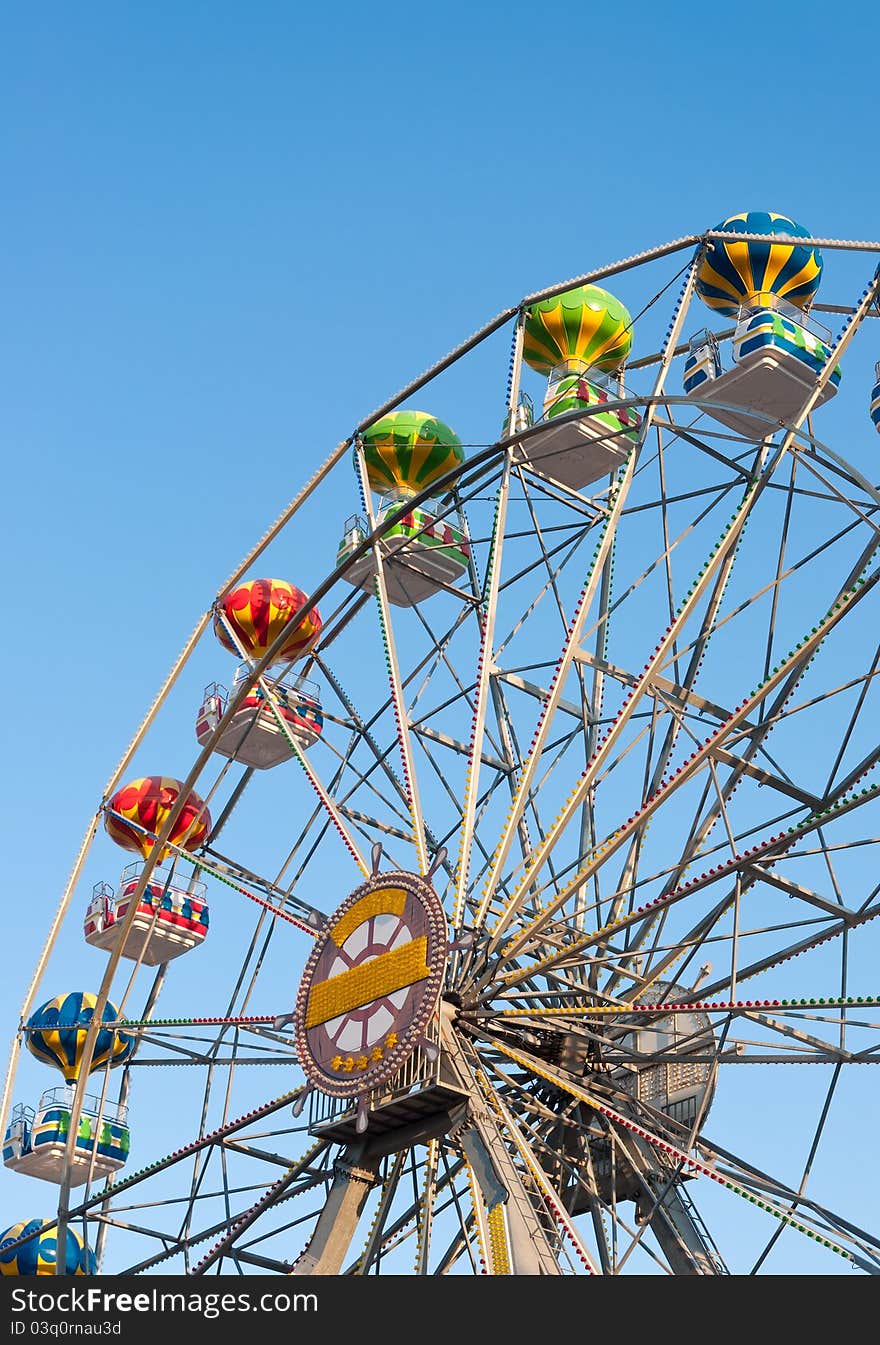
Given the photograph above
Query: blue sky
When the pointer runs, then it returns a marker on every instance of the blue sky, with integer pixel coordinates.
(231, 231)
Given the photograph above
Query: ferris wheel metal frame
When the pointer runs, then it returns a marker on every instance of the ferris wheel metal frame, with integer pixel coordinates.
(536, 1134)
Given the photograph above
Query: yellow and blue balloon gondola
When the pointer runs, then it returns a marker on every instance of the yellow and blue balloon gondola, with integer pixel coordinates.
(734, 272)
(39, 1255)
(762, 275)
(56, 1034)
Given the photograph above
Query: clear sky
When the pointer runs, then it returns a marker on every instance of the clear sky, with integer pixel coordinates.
(230, 231)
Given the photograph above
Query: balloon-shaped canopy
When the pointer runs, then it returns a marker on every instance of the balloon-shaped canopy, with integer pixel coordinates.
(586, 324)
(407, 451)
(146, 803)
(733, 273)
(259, 610)
(39, 1255)
(56, 1034)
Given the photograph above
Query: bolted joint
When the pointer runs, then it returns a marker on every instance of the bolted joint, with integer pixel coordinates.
(352, 1172)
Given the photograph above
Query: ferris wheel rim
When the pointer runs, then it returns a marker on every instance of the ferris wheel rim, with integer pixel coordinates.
(492, 454)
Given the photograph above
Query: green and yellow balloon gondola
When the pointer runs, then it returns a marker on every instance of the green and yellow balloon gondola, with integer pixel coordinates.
(407, 451)
(583, 327)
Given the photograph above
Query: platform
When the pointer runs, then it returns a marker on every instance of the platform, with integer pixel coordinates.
(420, 555)
(254, 736)
(577, 442)
(170, 920)
(36, 1139)
(777, 363)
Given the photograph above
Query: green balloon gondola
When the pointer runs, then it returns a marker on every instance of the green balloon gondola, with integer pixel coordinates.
(580, 340)
(587, 325)
(407, 451)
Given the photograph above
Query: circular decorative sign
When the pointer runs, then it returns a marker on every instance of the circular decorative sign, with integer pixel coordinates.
(370, 985)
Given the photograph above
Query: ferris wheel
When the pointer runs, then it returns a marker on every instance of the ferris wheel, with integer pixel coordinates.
(512, 907)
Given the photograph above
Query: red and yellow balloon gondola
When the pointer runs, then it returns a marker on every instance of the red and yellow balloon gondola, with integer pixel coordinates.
(258, 611)
(143, 806)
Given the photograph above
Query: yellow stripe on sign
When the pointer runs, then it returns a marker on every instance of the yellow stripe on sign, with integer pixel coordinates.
(384, 901)
(371, 980)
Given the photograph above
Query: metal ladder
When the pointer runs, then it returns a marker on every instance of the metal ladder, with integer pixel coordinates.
(705, 1236)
